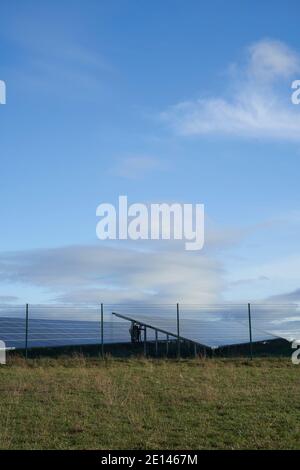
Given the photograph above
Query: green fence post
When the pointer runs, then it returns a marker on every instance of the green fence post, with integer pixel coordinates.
(102, 332)
(156, 343)
(145, 341)
(26, 332)
(250, 331)
(178, 331)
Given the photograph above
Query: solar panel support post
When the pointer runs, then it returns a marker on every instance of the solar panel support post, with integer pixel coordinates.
(195, 349)
(102, 332)
(145, 341)
(178, 331)
(156, 342)
(250, 331)
(167, 345)
(26, 330)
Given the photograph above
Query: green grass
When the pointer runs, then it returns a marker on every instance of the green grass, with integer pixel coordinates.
(78, 403)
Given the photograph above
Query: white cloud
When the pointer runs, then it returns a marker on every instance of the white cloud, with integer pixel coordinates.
(256, 108)
(152, 272)
(135, 166)
(97, 273)
(272, 59)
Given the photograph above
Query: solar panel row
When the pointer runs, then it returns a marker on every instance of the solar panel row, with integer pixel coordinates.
(213, 326)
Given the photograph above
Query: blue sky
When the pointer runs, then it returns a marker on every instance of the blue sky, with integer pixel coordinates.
(182, 101)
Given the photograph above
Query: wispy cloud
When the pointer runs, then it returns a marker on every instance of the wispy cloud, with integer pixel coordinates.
(136, 166)
(249, 281)
(58, 63)
(88, 274)
(256, 107)
(147, 272)
(293, 296)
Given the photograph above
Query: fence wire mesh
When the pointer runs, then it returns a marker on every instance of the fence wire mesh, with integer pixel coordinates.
(213, 326)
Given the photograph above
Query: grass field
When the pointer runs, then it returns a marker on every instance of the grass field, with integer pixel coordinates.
(86, 403)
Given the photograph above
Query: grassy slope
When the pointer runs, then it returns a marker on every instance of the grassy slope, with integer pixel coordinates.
(136, 403)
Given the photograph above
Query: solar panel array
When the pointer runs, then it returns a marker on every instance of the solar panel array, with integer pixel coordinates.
(210, 325)
(58, 326)
(220, 325)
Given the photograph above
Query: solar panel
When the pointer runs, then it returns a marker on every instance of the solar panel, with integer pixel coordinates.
(44, 333)
(213, 326)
